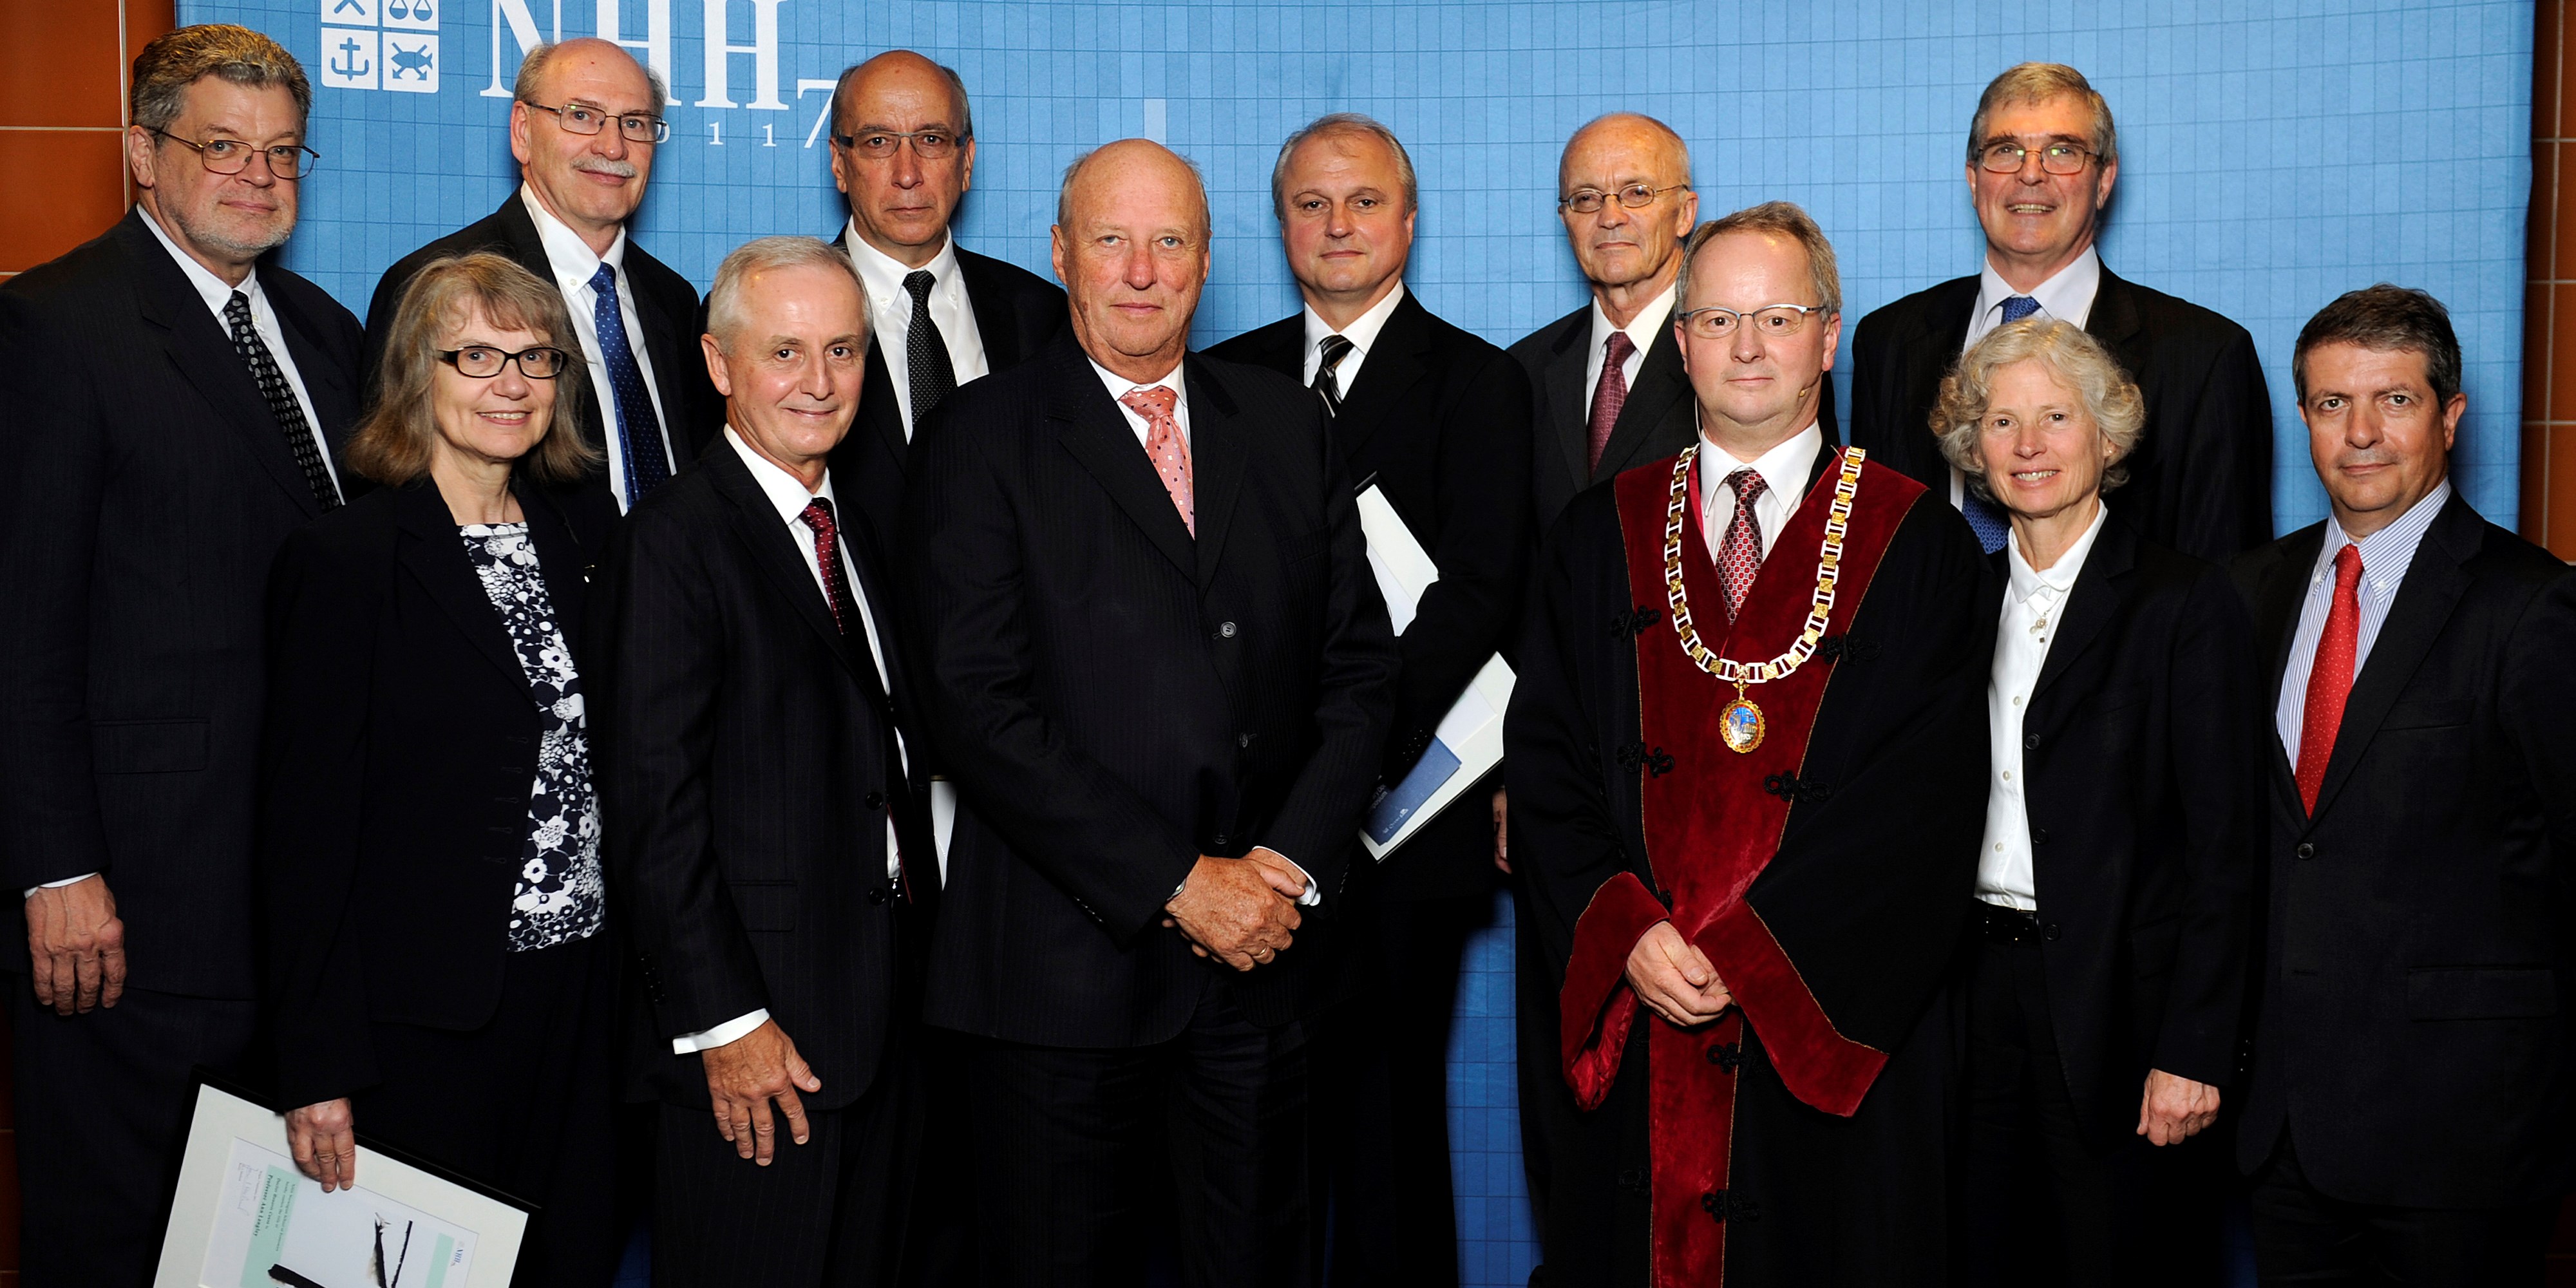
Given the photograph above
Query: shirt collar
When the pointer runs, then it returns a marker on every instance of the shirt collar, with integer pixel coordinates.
(1362, 332)
(2387, 553)
(1118, 385)
(784, 490)
(1641, 328)
(215, 290)
(883, 274)
(2060, 576)
(573, 261)
(1784, 468)
(2066, 296)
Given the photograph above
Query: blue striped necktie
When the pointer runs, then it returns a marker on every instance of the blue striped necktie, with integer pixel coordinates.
(1985, 518)
(639, 431)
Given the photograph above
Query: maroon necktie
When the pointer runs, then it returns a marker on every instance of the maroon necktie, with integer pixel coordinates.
(1739, 560)
(1610, 394)
(836, 589)
(827, 556)
(2330, 677)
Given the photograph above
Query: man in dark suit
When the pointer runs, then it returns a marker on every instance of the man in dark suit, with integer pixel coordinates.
(171, 407)
(2410, 1108)
(584, 127)
(1439, 420)
(2042, 156)
(1155, 659)
(765, 838)
(903, 155)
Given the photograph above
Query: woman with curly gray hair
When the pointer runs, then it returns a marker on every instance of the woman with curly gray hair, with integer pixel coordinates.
(2124, 815)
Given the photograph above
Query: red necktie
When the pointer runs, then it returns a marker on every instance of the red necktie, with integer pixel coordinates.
(2330, 678)
(1163, 443)
(1739, 560)
(1610, 394)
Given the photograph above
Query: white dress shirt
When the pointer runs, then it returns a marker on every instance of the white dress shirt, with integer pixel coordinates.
(2385, 557)
(2034, 608)
(1783, 470)
(1118, 386)
(890, 315)
(1362, 333)
(263, 320)
(788, 494)
(1642, 329)
(574, 265)
(2067, 296)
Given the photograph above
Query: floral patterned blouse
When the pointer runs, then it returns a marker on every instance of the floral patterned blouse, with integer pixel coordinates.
(560, 895)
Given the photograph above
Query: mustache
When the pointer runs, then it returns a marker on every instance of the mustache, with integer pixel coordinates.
(2363, 456)
(606, 166)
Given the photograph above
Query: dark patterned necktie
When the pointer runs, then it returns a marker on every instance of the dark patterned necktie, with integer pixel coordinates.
(1610, 394)
(1739, 559)
(639, 431)
(1328, 380)
(300, 441)
(925, 350)
(1985, 518)
(836, 589)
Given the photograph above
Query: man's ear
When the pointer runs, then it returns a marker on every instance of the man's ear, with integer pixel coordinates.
(716, 365)
(140, 155)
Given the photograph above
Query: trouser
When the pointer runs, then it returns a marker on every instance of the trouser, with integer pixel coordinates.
(2303, 1237)
(1067, 1139)
(103, 1104)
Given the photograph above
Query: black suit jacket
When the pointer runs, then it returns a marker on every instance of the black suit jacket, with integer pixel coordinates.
(2415, 997)
(1660, 418)
(2200, 480)
(1117, 698)
(144, 487)
(742, 766)
(401, 741)
(1017, 313)
(2142, 777)
(1439, 420)
(666, 309)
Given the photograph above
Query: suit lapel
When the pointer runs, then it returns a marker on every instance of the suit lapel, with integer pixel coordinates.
(1564, 397)
(2114, 319)
(433, 554)
(1660, 385)
(2433, 586)
(2092, 602)
(772, 549)
(662, 344)
(334, 403)
(1219, 450)
(1092, 428)
(560, 558)
(1394, 365)
(519, 233)
(203, 352)
(994, 324)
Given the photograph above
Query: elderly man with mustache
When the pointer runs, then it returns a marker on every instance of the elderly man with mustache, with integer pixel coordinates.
(585, 124)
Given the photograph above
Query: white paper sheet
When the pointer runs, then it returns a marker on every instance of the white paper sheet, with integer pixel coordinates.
(1469, 740)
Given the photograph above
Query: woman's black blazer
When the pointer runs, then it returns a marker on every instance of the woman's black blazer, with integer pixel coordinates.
(399, 748)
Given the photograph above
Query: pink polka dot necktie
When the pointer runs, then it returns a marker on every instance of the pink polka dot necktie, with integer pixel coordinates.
(1164, 445)
(1739, 557)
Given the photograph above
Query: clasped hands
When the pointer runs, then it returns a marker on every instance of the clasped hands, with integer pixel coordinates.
(1240, 911)
(1674, 978)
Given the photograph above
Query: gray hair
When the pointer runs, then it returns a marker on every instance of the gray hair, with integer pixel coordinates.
(2077, 360)
(1781, 219)
(761, 255)
(956, 90)
(178, 59)
(532, 72)
(1339, 124)
(1064, 193)
(2038, 83)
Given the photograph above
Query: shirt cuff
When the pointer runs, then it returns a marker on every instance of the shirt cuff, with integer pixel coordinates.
(57, 885)
(1314, 896)
(733, 1030)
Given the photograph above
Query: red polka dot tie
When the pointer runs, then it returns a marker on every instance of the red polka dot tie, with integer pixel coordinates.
(1163, 443)
(1739, 558)
(2330, 677)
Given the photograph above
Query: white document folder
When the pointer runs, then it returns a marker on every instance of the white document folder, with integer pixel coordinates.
(1469, 740)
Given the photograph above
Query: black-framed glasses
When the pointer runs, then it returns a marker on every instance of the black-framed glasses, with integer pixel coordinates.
(483, 361)
(1636, 196)
(1771, 321)
(929, 145)
(2055, 158)
(288, 161)
(634, 127)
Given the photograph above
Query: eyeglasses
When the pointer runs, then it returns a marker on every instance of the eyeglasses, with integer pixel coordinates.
(634, 127)
(482, 361)
(2055, 158)
(231, 156)
(877, 145)
(1771, 321)
(1635, 196)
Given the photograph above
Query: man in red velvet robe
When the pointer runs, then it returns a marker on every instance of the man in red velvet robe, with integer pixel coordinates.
(1746, 758)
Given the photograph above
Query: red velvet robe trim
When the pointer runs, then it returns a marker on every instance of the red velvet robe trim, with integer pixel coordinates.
(1710, 828)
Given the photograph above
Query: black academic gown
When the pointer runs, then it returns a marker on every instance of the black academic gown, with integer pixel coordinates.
(1865, 896)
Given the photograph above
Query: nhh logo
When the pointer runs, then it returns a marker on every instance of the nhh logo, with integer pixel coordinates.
(381, 44)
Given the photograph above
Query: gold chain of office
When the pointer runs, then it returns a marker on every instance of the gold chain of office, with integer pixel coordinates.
(1821, 606)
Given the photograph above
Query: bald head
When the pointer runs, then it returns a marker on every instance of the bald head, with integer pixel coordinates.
(1131, 247)
(1127, 164)
(1633, 138)
(538, 69)
(903, 152)
(900, 71)
(592, 182)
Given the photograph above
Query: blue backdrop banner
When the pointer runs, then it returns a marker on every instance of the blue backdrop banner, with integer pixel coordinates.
(2272, 156)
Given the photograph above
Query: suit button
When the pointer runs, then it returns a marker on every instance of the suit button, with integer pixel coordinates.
(1243, 740)
(2050, 932)
(1218, 840)
(2039, 836)
(876, 800)
(877, 895)
(1225, 630)
(2030, 743)
(2305, 850)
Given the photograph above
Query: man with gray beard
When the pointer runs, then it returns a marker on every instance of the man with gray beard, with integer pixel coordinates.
(171, 407)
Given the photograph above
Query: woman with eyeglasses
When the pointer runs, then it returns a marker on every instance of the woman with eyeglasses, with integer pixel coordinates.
(437, 970)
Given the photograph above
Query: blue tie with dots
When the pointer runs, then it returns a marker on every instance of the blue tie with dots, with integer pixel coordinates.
(639, 432)
(1985, 518)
